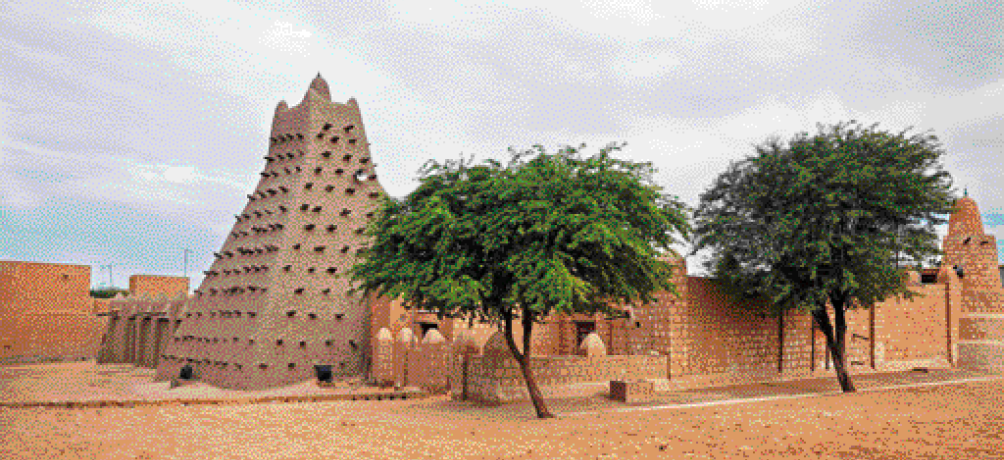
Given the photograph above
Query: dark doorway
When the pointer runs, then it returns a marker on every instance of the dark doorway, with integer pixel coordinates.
(582, 329)
(426, 327)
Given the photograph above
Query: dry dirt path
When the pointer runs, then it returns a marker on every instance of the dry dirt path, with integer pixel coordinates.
(957, 421)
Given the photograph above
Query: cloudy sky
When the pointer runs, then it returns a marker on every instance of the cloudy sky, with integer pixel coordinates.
(130, 131)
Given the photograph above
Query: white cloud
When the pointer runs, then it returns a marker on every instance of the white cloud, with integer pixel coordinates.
(480, 19)
(784, 115)
(116, 179)
(49, 60)
(976, 105)
(14, 193)
(245, 50)
(899, 113)
(641, 64)
(735, 14)
(179, 174)
(284, 38)
(639, 12)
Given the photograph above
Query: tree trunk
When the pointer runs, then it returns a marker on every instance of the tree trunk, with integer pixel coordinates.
(524, 363)
(466, 357)
(835, 343)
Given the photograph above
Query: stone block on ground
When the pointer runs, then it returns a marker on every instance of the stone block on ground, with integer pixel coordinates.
(632, 391)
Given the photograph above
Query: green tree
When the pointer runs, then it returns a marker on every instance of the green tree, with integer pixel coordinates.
(555, 233)
(107, 293)
(823, 219)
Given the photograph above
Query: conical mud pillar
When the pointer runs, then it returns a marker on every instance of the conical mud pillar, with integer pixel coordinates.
(274, 302)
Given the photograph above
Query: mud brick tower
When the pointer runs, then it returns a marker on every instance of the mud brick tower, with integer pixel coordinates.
(273, 305)
(972, 254)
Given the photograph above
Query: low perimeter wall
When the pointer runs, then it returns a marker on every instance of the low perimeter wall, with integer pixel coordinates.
(498, 379)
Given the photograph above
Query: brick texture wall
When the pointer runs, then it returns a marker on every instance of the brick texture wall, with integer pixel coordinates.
(711, 336)
(153, 286)
(46, 312)
(913, 330)
(492, 380)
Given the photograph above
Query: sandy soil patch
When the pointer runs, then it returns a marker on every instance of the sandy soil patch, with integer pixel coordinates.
(87, 381)
(958, 421)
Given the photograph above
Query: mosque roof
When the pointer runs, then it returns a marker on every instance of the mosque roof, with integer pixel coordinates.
(320, 87)
(965, 218)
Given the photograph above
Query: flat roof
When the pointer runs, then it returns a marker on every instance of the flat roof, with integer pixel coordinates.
(42, 263)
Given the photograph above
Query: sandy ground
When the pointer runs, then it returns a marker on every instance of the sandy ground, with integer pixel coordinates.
(955, 421)
(87, 381)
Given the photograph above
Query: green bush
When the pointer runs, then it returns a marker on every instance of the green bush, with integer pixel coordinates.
(107, 293)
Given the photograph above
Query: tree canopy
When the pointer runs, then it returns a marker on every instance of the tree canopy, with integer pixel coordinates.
(108, 292)
(824, 217)
(825, 214)
(546, 233)
(552, 233)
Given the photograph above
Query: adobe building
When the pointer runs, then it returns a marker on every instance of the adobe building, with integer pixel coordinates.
(139, 328)
(47, 313)
(271, 305)
(979, 321)
(702, 339)
(154, 285)
(141, 324)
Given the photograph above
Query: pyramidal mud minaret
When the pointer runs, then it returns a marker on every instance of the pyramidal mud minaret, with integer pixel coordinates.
(272, 305)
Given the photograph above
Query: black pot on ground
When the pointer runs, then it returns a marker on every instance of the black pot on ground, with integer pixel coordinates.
(186, 372)
(323, 372)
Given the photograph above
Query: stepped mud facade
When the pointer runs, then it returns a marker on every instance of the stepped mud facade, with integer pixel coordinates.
(272, 304)
(141, 324)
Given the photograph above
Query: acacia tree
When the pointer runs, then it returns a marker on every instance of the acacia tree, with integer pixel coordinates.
(547, 233)
(823, 219)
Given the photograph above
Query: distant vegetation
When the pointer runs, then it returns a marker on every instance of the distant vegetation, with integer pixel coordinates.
(107, 293)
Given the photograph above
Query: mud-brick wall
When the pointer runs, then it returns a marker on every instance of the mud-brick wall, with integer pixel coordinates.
(709, 335)
(914, 330)
(154, 285)
(545, 336)
(982, 301)
(497, 379)
(113, 345)
(101, 305)
(46, 312)
(57, 335)
(797, 339)
(858, 339)
(656, 322)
